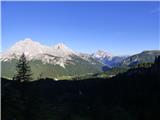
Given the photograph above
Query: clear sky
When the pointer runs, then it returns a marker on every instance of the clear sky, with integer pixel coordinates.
(117, 27)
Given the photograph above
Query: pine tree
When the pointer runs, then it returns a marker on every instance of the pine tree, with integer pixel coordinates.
(157, 61)
(23, 69)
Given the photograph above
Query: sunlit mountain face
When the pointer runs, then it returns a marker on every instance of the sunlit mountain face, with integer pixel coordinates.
(55, 61)
(60, 60)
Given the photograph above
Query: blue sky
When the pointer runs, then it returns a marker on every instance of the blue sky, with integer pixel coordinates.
(117, 27)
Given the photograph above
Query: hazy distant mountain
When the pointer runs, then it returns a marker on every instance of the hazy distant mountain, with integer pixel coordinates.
(143, 57)
(102, 55)
(45, 61)
(108, 59)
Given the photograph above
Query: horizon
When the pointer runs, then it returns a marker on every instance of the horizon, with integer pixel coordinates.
(84, 26)
(52, 45)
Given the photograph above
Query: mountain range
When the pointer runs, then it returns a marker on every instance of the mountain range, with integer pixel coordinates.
(108, 58)
(147, 56)
(56, 61)
(62, 62)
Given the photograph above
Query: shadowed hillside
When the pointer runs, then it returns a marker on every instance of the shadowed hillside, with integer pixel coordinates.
(133, 95)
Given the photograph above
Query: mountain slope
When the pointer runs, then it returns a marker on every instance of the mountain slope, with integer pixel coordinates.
(143, 57)
(133, 95)
(108, 59)
(59, 54)
(45, 61)
(40, 70)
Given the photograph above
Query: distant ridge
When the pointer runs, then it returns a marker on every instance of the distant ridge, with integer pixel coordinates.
(143, 57)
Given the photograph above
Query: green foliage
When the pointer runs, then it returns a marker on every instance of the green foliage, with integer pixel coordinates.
(144, 65)
(144, 57)
(23, 70)
(8, 68)
(113, 72)
(132, 95)
(157, 61)
(41, 70)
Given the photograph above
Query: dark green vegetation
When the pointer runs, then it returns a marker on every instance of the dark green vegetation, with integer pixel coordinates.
(23, 70)
(141, 60)
(113, 71)
(40, 70)
(117, 70)
(79, 67)
(132, 95)
(144, 57)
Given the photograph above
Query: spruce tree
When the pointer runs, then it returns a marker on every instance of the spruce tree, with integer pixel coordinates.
(157, 61)
(23, 69)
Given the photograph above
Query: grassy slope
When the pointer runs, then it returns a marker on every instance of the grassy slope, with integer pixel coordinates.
(80, 67)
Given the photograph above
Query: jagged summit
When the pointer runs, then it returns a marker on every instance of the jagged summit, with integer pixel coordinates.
(27, 46)
(58, 54)
(32, 48)
(58, 60)
(107, 58)
(102, 54)
(61, 48)
(26, 42)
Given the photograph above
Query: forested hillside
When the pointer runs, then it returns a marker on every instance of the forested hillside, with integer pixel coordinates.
(40, 70)
(133, 95)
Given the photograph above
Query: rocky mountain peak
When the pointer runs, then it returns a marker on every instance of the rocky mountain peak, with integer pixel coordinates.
(33, 50)
(102, 54)
(61, 48)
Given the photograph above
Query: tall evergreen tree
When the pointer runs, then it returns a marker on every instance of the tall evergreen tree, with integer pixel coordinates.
(156, 65)
(157, 61)
(23, 69)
